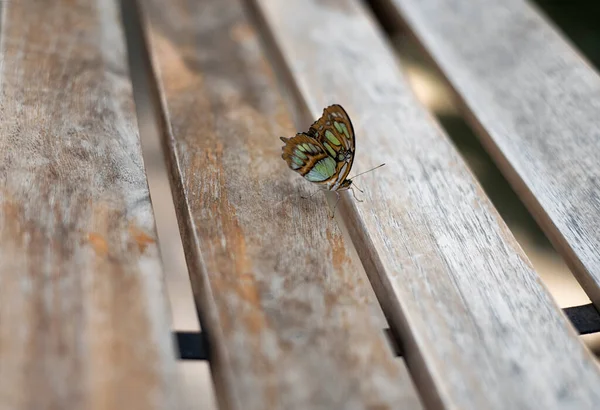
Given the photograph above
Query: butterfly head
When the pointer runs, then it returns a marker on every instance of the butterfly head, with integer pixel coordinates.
(345, 184)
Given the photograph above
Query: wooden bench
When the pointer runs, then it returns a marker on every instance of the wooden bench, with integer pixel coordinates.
(293, 305)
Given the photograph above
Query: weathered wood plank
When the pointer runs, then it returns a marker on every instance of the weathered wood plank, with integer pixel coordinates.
(83, 316)
(535, 103)
(285, 304)
(479, 329)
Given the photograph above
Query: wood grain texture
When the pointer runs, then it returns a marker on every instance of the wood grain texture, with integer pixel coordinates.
(83, 315)
(479, 329)
(286, 305)
(535, 103)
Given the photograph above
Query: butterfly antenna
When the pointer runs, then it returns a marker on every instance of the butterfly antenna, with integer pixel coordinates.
(372, 169)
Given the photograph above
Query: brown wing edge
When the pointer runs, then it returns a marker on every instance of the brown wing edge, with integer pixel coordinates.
(312, 157)
(327, 110)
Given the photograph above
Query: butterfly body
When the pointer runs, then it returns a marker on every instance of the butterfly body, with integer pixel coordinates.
(325, 153)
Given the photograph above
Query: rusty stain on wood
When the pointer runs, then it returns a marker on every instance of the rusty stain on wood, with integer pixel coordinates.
(84, 318)
(477, 327)
(98, 243)
(280, 293)
(141, 238)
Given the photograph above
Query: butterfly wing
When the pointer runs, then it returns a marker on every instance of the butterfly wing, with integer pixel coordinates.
(335, 132)
(343, 130)
(325, 153)
(307, 156)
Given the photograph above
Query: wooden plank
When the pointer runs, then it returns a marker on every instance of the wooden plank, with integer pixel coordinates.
(535, 103)
(83, 316)
(285, 303)
(479, 329)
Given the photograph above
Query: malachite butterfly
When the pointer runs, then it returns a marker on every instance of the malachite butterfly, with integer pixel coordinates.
(325, 153)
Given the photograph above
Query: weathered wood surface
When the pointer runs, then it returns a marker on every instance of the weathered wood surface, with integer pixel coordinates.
(479, 329)
(535, 103)
(285, 303)
(83, 317)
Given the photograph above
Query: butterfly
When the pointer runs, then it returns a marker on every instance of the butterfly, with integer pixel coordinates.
(325, 153)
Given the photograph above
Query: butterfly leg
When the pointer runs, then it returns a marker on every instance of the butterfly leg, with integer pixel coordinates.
(336, 204)
(354, 195)
(311, 195)
(354, 185)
